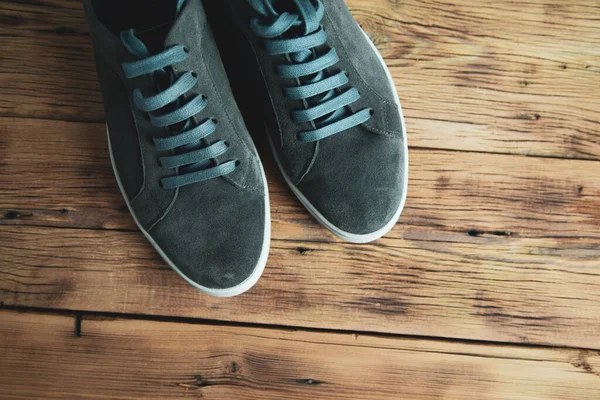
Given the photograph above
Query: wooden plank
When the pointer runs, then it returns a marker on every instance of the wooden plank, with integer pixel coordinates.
(46, 64)
(57, 173)
(494, 77)
(479, 77)
(490, 247)
(485, 290)
(65, 180)
(127, 359)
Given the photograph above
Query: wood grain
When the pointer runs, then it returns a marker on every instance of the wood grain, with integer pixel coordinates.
(46, 63)
(492, 77)
(491, 247)
(44, 358)
(56, 173)
(526, 291)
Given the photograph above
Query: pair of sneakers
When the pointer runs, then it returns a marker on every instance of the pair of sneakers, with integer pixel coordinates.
(184, 160)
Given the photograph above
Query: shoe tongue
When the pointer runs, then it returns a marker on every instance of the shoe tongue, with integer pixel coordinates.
(281, 6)
(159, 24)
(154, 38)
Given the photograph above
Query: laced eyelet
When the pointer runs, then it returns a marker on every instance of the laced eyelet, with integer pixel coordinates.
(160, 184)
(238, 163)
(215, 121)
(371, 111)
(227, 143)
(194, 74)
(186, 50)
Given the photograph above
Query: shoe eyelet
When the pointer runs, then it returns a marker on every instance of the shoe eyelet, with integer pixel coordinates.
(214, 121)
(194, 74)
(238, 163)
(160, 184)
(371, 111)
(204, 97)
(186, 50)
(227, 144)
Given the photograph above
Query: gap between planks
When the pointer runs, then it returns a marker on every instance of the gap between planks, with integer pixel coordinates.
(492, 247)
(45, 357)
(401, 286)
(80, 315)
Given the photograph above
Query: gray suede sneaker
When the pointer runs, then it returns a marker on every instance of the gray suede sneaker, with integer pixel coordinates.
(182, 155)
(332, 113)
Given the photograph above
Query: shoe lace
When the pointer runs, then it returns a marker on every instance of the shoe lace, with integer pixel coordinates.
(299, 36)
(166, 109)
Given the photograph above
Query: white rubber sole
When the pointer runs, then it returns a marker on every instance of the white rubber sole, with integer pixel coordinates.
(229, 292)
(347, 236)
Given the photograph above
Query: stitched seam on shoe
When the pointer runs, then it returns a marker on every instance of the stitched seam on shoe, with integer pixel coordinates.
(252, 156)
(352, 64)
(262, 74)
(314, 127)
(311, 165)
(166, 211)
(172, 203)
(377, 131)
(260, 69)
(229, 119)
(385, 131)
(387, 102)
(137, 133)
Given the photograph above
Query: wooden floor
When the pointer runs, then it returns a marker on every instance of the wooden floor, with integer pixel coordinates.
(488, 288)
